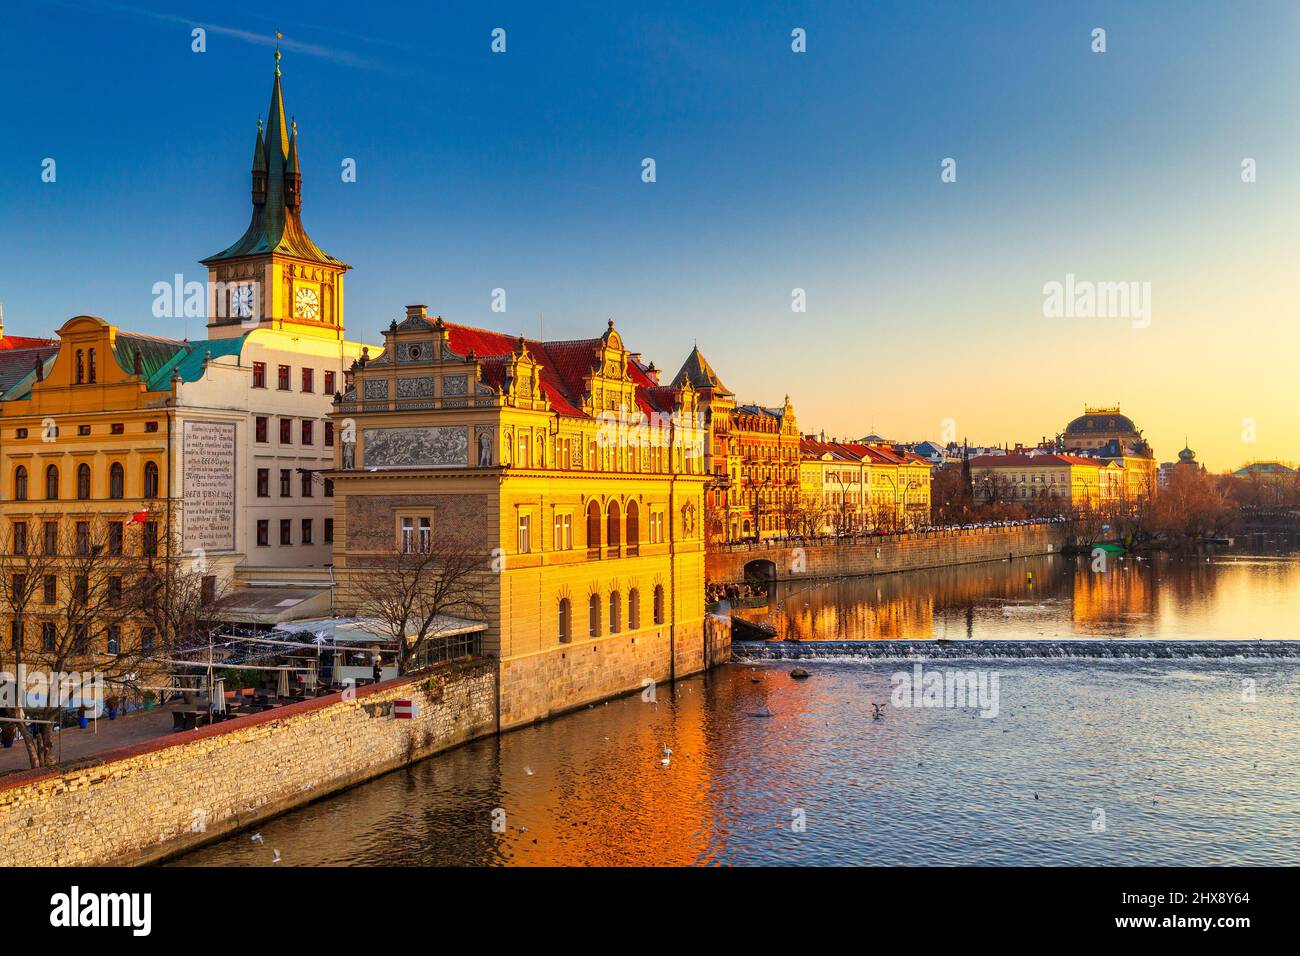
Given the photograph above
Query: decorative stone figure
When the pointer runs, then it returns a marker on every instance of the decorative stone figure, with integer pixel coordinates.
(349, 455)
(484, 447)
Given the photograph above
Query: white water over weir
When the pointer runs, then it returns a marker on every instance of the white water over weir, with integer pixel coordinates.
(743, 651)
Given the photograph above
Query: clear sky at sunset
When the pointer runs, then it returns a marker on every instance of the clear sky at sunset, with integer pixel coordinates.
(775, 170)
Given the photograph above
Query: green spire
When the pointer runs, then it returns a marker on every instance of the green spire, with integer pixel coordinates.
(276, 224)
(259, 150)
(293, 150)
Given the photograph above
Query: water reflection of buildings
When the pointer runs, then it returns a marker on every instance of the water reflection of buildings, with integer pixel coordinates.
(914, 604)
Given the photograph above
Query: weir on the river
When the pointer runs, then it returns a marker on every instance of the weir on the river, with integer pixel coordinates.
(996, 649)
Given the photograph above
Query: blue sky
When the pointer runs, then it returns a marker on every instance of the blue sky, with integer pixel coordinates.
(775, 171)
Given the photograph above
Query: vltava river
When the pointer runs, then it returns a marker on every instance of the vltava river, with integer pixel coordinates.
(1087, 761)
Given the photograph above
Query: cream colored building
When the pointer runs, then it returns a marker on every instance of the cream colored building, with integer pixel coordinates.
(570, 464)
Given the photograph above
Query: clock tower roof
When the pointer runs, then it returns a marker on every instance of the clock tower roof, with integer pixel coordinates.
(276, 225)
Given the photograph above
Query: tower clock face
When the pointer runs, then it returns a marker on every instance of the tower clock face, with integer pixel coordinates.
(306, 304)
(242, 301)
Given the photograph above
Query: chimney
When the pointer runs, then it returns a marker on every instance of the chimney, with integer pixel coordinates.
(417, 311)
(652, 373)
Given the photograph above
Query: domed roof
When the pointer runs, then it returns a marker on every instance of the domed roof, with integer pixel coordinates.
(1101, 421)
(1187, 455)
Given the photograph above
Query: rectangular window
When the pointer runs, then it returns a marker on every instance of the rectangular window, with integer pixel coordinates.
(329, 530)
(286, 431)
(563, 533)
(329, 487)
(114, 591)
(49, 589)
(417, 535)
(259, 375)
(282, 378)
(329, 434)
(308, 432)
(264, 482)
(525, 534)
(260, 428)
(306, 531)
(49, 635)
(147, 639)
(20, 433)
(286, 531)
(114, 643)
(115, 536)
(20, 537)
(150, 538)
(286, 489)
(151, 426)
(309, 380)
(208, 589)
(83, 537)
(306, 483)
(117, 428)
(83, 430)
(329, 383)
(263, 533)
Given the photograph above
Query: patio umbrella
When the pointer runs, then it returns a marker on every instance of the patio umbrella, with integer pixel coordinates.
(282, 683)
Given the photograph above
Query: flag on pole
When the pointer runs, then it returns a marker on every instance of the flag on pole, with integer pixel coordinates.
(139, 516)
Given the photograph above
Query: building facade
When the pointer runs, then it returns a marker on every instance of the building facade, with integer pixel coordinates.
(210, 452)
(569, 463)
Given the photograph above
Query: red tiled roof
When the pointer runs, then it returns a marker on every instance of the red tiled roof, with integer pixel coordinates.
(564, 366)
(1014, 460)
(8, 342)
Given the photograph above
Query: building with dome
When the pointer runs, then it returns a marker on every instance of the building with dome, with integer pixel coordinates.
(1112, 437)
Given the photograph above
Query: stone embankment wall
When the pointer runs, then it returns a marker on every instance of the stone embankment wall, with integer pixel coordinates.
(144, 802)
(547, 683)
(886, 553)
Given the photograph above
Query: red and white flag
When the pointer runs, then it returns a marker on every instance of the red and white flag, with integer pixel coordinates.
(139, 516)
(405, 709)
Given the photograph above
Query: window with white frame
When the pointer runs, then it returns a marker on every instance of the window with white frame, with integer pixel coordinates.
(563, 532)
(525, 534)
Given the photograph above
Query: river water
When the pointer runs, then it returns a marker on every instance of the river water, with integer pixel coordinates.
(1081, 761)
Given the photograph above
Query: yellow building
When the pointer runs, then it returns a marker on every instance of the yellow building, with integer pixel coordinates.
(566, 460)
(1045, 481)
(218, 447)
(865, 487)
(1106, 434)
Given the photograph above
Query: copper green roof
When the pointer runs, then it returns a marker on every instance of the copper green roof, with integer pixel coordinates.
(276, 226)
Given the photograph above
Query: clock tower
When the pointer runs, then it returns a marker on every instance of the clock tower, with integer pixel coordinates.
(275, 276)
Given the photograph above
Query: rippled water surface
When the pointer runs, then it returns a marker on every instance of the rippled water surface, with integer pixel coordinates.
(1185, 771)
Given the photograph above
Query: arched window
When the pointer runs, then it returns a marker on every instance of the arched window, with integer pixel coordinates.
(81, 367)
(633, 528)
(633, 609)
(593, 616)
(565, 624)
(52, 482)
(83, 481)
(20, 483)
(613, 527)
(593, 530)
(90, 376)
(659, 603)
(150, 479)
(116, 480)
(615, 612)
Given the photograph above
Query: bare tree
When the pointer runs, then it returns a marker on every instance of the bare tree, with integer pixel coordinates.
(66, 598)
(410, 593)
